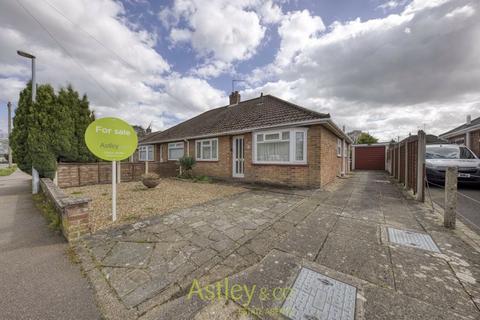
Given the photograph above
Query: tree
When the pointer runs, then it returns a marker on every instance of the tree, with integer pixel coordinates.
(51, 129)
(366, 138)
(81, 116)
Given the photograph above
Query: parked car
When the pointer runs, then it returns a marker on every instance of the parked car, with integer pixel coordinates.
(441, 156)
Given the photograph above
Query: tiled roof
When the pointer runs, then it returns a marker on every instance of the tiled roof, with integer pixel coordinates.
(254, 113)
(463, 126)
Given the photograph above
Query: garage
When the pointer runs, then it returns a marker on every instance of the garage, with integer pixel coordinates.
(368, 157)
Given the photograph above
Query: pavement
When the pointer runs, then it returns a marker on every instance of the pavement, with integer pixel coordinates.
(37, 279)
(468, 203)
(263, 238)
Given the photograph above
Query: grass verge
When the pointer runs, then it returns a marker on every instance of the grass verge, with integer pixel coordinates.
(8, 170)
(48, 211)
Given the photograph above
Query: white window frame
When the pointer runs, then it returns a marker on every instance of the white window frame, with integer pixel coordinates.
(199, 157)
(175, 145)
(292, 145)
(144, 148)
(339, 147)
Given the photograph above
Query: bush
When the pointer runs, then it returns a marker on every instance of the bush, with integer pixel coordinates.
(186, 166)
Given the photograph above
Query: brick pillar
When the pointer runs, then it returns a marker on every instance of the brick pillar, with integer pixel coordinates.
(76, 220)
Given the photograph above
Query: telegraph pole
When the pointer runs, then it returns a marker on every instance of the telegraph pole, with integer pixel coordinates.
(9, 106)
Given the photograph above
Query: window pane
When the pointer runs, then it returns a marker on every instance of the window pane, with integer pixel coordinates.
(214, 149)
(206, 152)
(272, 136)
(150, 153)
(285, 135)
(299, 146)
(199, 150)
(274, 151)
(175, 154)
(260, 137)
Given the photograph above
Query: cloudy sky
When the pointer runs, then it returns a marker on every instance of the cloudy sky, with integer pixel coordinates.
(388, 67)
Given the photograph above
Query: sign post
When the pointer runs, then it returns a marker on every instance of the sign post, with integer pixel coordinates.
(111, 139)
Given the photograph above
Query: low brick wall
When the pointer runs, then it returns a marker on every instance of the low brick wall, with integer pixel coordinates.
(83, 174)
(75, 212)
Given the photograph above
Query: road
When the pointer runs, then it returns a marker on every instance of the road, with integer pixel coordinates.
(37, 280)
(468, 209)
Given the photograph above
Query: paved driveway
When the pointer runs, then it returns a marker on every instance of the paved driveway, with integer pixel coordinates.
(262, 237)
(205, 242)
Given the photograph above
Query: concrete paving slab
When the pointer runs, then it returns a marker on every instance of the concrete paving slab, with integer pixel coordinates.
(363, 259)
(381, 304)
(430, 279)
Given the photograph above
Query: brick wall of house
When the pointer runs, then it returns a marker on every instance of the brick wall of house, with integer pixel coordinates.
(474, 141)
(330, 163)
(322, 168)
(456, 138)
(221, 168)
(291, 175)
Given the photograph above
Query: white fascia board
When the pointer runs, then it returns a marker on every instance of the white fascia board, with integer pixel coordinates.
(459, 132)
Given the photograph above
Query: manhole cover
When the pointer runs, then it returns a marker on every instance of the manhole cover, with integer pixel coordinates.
(315, 296)
(412, 239)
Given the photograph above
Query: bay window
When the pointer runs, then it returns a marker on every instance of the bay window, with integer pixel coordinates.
(145, 153)
(287, 146)
(207, 149)
(175, 150)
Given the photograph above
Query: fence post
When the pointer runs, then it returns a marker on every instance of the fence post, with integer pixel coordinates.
(421, 149)
(450, 197)
(399, 159)
(406, 164)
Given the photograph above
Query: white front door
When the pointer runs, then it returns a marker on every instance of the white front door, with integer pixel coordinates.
(238, 157)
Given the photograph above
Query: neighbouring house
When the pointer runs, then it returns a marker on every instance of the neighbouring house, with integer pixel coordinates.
(467, 134)
(265, 139)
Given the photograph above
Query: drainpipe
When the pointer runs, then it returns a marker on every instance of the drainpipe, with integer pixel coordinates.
(188, 147)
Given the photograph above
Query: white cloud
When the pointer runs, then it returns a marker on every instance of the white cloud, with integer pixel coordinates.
(270, 12)
(218, 29)
(296, 30)
(139, 83)
(389, 75)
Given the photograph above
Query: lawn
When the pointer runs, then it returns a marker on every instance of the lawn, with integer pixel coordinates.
(135, 201)
(7, 171)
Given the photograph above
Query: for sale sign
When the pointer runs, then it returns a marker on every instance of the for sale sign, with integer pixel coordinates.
(111, 139)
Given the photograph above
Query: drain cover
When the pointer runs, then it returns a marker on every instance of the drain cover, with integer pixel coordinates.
(315, 296)
(412, 239)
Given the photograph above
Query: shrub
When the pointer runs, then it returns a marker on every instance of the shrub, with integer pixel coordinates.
(186, 166)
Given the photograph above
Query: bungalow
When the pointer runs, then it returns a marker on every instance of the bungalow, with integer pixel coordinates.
(265, 139)
(467, 134)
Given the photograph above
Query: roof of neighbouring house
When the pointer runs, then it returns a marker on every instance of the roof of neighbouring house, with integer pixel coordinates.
(264, 111)
(464, 126)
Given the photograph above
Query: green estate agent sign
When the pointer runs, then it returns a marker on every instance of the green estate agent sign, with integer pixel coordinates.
(111, 139)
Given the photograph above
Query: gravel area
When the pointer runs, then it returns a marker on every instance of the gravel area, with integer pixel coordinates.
(135, 201)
